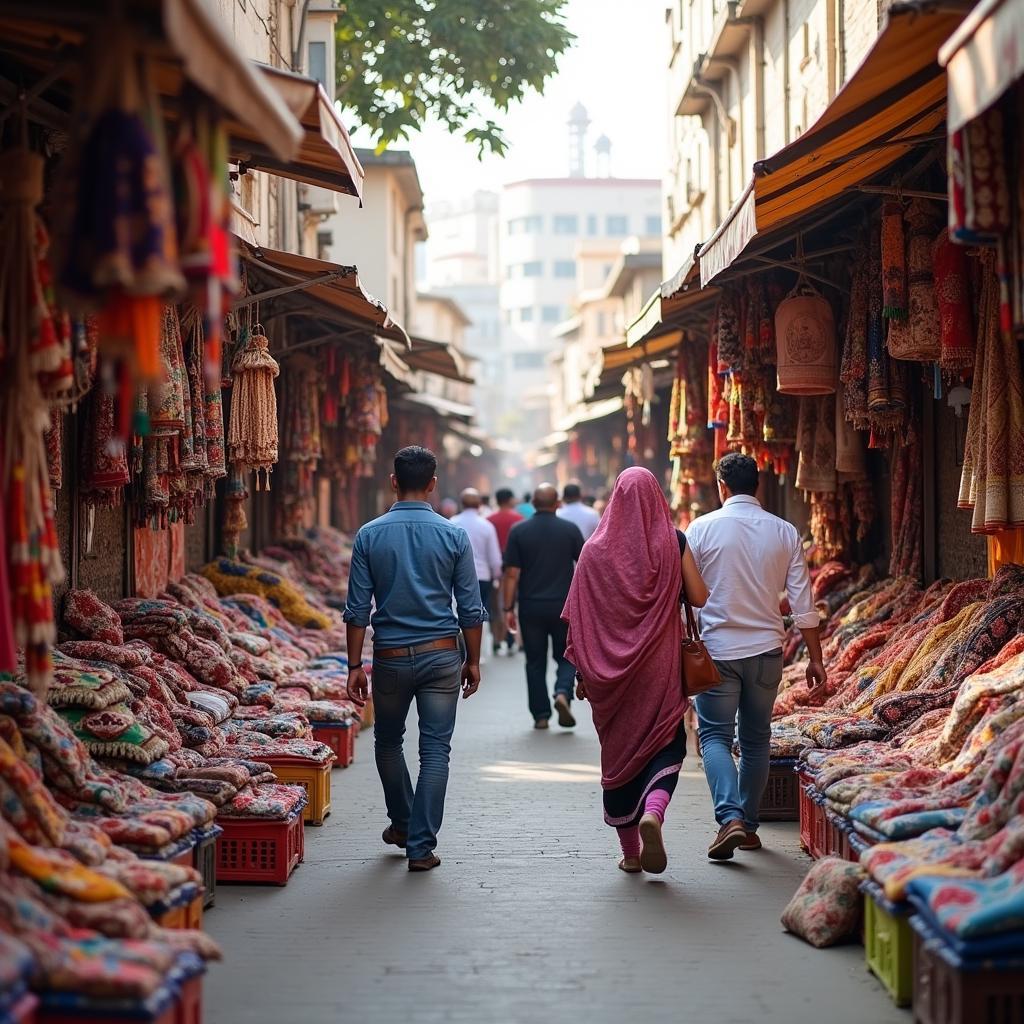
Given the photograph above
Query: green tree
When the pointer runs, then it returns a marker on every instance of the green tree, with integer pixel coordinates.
(399, 64)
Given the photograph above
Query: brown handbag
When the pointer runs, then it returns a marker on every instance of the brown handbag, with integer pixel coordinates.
(699, 672)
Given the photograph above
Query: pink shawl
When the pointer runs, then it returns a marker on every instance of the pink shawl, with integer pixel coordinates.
(625, 627)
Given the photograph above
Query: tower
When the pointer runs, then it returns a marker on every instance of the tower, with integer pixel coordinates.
(603, 150)
(578, 124)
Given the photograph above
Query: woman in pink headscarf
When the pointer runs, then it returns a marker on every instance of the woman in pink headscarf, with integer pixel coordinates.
(624, 639)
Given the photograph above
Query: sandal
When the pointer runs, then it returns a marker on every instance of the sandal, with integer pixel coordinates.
(653, 858)
(631, 865)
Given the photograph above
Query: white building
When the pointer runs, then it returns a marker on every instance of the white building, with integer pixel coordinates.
(462, 264)
(553, 231)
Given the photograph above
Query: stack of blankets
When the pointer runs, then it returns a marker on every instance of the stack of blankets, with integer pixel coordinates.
(919, 746)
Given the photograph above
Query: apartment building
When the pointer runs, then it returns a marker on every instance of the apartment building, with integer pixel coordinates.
(746, 77)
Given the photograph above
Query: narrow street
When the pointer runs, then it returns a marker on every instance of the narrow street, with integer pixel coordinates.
(527, 920)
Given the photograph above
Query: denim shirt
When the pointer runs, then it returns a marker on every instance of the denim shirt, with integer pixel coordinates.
(409, 562)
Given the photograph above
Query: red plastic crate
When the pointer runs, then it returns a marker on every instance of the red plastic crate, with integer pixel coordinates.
(806, 815)
(190, 1002)
(254, 851)
(341, 738)
(819, 833)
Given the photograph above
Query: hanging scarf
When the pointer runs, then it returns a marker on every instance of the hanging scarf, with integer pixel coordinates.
(906, 510)
(992, 483)
(894, 266)
(917, 338)
(853, 372)
(252, 431)
(730, 343)
(953, 295)
(979, 208)
(718, 407)
(104, 457)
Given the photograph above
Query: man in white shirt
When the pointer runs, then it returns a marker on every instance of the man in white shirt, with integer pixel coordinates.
(484, 540)
(747, 557)
(576, 512)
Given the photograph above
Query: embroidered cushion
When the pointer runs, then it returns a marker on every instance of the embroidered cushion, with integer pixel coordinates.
(90, 616)
(827, 906)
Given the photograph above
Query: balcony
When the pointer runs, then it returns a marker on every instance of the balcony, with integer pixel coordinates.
(728, 39)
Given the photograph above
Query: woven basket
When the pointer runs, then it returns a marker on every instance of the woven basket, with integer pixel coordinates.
(806, 338)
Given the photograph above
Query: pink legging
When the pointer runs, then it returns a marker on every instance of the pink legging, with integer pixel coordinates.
(655, 803)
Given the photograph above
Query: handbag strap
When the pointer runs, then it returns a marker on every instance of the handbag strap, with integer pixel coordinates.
(692, 633)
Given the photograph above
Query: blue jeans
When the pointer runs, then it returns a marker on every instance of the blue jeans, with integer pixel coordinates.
(539, 623)
(433, 680)
(747, 690)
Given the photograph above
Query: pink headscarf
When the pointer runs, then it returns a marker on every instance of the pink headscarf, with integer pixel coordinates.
(625, 627)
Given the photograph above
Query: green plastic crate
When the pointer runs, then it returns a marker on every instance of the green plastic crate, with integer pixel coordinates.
(889, 947)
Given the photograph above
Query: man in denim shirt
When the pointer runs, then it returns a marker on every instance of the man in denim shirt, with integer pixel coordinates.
(409, 562)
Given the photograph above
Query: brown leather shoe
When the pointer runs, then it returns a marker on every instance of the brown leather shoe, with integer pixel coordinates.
(565, 717)
(424, 863)
(392, 837)
(728, 840)
(541, 723)
(751, 843)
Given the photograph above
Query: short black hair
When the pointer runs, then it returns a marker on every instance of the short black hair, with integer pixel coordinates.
(503, 495)
(572, 492)
(415, 467)
(589, 500)
(528, 498)
(738, 472)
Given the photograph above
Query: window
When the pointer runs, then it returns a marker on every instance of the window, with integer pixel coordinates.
(653, 222)
(565, 268)
(616, 224)
(566, 224)
(550, 314)
(531, 225)
(526, 315)
(318, 62)
(591, 224)
(527, 360)
(533, 268)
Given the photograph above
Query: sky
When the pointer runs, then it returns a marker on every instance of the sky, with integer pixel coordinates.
(616, 69)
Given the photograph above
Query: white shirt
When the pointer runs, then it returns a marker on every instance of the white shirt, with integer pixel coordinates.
(582, 515)
(748, 557)
(484, 539)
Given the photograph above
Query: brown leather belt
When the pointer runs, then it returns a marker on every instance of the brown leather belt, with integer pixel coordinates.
(448, 643)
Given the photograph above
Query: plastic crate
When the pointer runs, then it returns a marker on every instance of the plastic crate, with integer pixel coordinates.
(188, 976)
(806, 806)
(256, 851)
(340, 737)
(889, 944)
(781, 798)
(835, 835)
(819, 830)
(314, 778)
(186, 912)
(948, 990)
(205, 862)
(69, 1008)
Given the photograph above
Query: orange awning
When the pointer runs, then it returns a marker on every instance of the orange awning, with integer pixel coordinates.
(679, 302)
(894, 100)
(325, 156)
(437, 357)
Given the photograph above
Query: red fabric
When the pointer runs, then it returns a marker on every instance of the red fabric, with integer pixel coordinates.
(625, 627)
(503, 522)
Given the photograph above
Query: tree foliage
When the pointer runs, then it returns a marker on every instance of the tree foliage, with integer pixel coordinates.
(401, 63)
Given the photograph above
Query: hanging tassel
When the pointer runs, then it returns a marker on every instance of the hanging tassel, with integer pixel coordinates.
(252, 429)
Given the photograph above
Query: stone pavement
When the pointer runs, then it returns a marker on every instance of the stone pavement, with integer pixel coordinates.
(527, 920)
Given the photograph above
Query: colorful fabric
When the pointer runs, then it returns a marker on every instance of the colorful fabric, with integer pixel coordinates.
(953, 295)
(980, 206)
(827, 907)
(971, 908)
(631, 667)
(92, 617)
(894, 267)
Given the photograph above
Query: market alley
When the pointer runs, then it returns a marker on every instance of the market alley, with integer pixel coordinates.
(527, 919)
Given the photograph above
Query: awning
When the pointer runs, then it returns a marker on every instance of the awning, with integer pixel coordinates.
(437, 357)
(185, 42)
(895, 100)
(588, 414)
(983, 58)
(679, 302)
(442, 406)
(331, 291)
(325, 155)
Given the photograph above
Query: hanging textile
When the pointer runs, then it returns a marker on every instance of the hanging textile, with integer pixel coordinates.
(979, 193)
(887, 397)
(894, 265)
(992, 482)
(917, 337)
(32, 349)
(730, 343)
(103, 455)
(301, 444)
(853, 374)
(816, 445)
(953, 296)
(252, 430)
(907, 510)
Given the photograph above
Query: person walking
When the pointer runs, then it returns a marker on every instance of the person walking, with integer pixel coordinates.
(637, 565)
(409, 563)
(525, 507)
(503, 520)
(486, 552)
(576, 512)
(539, 561)
(748, 557)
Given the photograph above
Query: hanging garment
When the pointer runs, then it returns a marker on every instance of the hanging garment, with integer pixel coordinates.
(816, 445)
(953, 296)
(917, 337)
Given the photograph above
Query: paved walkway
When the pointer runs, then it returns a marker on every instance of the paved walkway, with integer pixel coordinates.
(527, 920)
